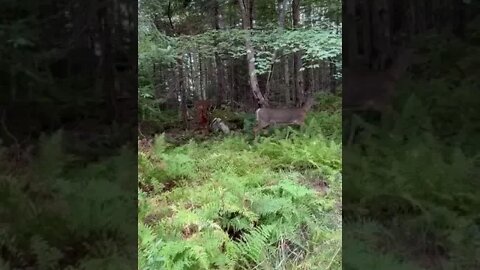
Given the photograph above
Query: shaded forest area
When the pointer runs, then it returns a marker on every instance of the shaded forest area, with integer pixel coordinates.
(68, 79)
(411, 173)
(191, 51)
(69, 65)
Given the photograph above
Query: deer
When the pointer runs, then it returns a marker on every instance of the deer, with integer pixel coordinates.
(367, 90)
(289, 116)
(373, 90)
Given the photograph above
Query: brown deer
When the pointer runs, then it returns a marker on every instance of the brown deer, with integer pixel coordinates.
(288, 116)
(373, 90)
(367, 90)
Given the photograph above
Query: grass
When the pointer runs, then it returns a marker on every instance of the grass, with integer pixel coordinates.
(230, 203)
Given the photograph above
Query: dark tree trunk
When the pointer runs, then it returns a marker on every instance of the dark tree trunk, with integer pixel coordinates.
(108, 84)
(181, 89)
(217, 21)
(297, 58)
(333, 81)
(282, 11)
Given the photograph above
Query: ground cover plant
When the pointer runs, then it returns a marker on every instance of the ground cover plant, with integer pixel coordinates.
(234, 203)
(412, 202)
(46, 223)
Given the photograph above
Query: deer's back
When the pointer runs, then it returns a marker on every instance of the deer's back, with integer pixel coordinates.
(367, 89)
(280, 115)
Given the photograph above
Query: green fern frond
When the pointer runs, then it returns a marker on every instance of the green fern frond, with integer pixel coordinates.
(47, 256)
(256, 243)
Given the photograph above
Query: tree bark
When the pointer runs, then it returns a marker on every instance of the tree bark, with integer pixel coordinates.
(282, 11)
(333, 81)
(200, 77)
(217, 23)
(245, 5)
(286, 64)
(181, 89)
(297, 58)
(108, 63)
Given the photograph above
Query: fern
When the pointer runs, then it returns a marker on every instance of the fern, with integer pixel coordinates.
(255, 244)
(47, 257)
(239, 200)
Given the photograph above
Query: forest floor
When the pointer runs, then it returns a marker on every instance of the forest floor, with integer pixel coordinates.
(234, 203)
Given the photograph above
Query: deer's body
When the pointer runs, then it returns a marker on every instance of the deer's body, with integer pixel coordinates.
(366, 89)
(372, 91)
(288, 116)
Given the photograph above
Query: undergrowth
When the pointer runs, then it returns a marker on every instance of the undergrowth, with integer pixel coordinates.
(59, 212)
(411, 201)
(235, 204)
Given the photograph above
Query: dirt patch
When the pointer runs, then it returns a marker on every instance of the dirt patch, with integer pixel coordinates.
(189, 230)
(317, 183)
(147, 188)
(169, 185)
(150, 188)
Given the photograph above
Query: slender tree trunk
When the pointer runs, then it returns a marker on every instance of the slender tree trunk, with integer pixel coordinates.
(308, 85)
(459, 19)
(220, 72)
(282, 11)
(288, 98)
(200, 77)
(108, 64)
(333, 82)
(313, 77)
(186, 75)
(297, 58)
(181, 89)
(245, 5)
(220, 80)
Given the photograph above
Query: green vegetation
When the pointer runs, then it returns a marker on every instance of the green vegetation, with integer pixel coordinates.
(412, 194)
(228, 203)
(60, 212)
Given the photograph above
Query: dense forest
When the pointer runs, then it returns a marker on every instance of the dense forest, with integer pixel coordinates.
(221, 199)
(200, 50)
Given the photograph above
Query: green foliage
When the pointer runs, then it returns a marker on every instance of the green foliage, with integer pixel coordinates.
(317, 44)
(412, 176)
(56, 218)
(233, 206)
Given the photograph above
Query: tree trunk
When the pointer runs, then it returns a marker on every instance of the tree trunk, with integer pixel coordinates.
(220, 72)
(282, 11)
(181, 89)
(108, 64)
(288, 98)
(200, 77)
(297, 58)
(333, 81)
(245, 5)
(308, 85)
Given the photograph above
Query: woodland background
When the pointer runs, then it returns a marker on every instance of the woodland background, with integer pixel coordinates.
(196, 50)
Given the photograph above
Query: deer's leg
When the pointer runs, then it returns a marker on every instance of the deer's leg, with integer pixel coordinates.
(259, 127)
(354, 125)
